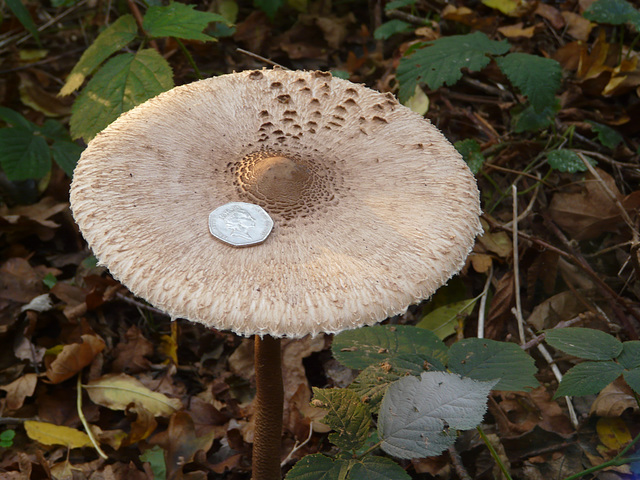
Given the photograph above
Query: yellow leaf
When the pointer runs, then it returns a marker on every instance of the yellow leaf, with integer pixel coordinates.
(50, 434)
(505, 6)
(419, 101)
(613, 432)
(169, 344)
(118, 391)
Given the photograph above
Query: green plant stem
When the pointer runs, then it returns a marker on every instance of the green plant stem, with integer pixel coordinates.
(493, 452)
(85, 424)
(189, 58)
(269, 402)
(369, 450)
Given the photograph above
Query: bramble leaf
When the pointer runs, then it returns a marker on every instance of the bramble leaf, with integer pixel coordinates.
(346, 414)
(613, 12)
(377, 468)
(180, 21)
(372, 383)
(528, 120)
(122, 83)
(588, 378)
(537, 78)
(23, 154)
(14, 119)
(110, 40)
(398, 345)
(419, 415)
(66, 155)
(585, 343)
(441, 62)
(319, 467)
(484, 359)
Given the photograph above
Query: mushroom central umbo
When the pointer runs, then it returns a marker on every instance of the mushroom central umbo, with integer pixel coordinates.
(373, 210)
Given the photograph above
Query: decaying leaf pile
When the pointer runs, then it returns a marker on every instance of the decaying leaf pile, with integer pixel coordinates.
(541, 98)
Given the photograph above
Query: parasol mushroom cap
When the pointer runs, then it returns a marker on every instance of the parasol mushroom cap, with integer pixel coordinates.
(373, 208)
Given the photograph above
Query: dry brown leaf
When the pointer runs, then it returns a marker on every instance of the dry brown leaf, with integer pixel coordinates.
(130, 354)
(143, 426)
(481, 262)
(74, 357)
(20, 389)
(118, 391)
(614, 399)
(498, 242)
(591, 212)
(517, 31)
(551, 14)
(28, 219)
(500, 308)
(553, 310)
(577, 26)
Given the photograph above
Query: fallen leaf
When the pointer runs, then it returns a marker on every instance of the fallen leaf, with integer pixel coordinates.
(562, 306)
(20, 389)
(500, 308)
(481, 262)
(50, 434)
(517, 31)
(74, 357)
(577, 26)
(118, 391)
(130, 354)
(613, 432)
(614, 399)
(551, 14)
(143, 426)
(24, 220)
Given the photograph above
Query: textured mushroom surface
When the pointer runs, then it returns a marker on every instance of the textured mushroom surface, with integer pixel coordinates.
(373, 208)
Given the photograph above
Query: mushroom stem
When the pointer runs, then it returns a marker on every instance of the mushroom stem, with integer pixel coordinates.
(268, 409)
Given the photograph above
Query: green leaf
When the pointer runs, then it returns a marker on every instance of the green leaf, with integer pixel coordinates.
(6, 438)
(442, 61)
(270, 7)
(528, 120)
(155, 457)
(537, 78)
(484, 359)
(180, 21)
(419, 415)
(390, 28)
(377, 468)
(396, 4)
(110, 40)
(630, 356)
(13, 118)
(470, 151)
(371, 384)
(23, 155)
(613, 12)
(54, 130)
(24, 17)
(588, 378)
(389, 343)
(607, 136)
(347, 415)
(319, 467)
(442, 321)
(632, 377)
(565, 160)
(66, 155)
(122, 83)
(49, 280)
(584, 343)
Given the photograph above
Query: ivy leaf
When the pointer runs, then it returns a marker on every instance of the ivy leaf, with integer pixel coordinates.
(588, 378)
(613, 12)
(390, 28)
(395, 344)
(607, 136)
(565, 160)
(538, 78)
(319, 467)
(585, 343)
(441, 62)
(122, 83)
(180, 21)
(24, 154)
(484, 359)
(270, 7)
(419, 415)
(377, 468)
(110, 40)
(470, 151)
(346, 414)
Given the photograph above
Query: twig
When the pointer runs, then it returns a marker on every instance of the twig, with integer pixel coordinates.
(85, 424)
(483, 302)
(139, 21)
(260, 57)
(407, 17)
(556, 372)
(297, 446)
(516, 266)
(456, 459)
(529, 208)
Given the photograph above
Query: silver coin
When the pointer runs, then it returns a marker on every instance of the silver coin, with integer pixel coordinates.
(240, 224)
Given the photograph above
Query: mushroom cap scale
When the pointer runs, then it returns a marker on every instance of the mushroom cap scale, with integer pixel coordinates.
(373, 208)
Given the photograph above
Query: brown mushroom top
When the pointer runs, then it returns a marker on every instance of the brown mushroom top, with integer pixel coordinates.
(373, 208)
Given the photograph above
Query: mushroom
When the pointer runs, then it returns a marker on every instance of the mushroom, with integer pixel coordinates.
(373, 210)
